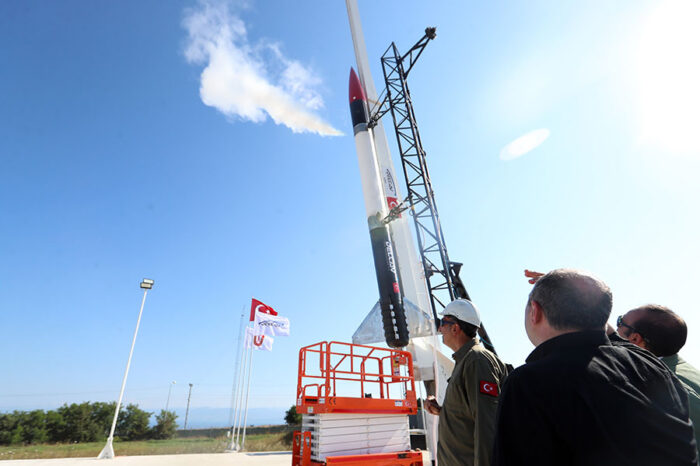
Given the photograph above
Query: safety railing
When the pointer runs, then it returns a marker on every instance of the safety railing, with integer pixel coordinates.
(343, 377)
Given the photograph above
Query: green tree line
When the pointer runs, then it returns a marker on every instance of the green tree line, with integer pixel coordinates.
(84, 422)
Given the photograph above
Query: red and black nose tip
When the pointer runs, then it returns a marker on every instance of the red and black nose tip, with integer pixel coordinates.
(358, 112)
(356, 92)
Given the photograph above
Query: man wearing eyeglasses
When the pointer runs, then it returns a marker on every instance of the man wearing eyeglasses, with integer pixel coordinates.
(581, 399)
(468, 414)
(663, 332)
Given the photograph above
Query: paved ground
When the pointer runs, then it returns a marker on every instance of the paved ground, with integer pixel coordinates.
(282, 458)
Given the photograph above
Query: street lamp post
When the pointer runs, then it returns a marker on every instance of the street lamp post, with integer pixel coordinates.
(108, 451)
(170, 388)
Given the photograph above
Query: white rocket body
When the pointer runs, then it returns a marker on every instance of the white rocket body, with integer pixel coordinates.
(410, 267)
(391, 304)
(372, 189)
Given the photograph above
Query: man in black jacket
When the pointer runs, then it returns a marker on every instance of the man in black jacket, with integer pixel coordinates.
(663, 332)
(582, 400)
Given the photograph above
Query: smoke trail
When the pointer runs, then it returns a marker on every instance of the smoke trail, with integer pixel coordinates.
(236, 79)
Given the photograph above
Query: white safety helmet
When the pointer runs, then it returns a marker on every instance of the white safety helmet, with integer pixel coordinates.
(464, 310)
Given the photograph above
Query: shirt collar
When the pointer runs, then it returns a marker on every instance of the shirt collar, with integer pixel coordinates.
(672, 361)
(586, 338)
(460, 353)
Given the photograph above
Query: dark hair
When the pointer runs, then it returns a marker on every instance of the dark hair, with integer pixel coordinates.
(469, 329)
(573, 300)
(663, 330)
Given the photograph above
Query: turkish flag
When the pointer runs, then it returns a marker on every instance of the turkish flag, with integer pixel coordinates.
(256, 305)
(392, 202)
(488, 388)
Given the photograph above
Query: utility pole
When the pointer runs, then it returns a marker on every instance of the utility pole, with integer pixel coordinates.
(187, 412)
(170, 388)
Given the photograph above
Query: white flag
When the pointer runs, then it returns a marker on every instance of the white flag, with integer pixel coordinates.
(267, 324)
(258, 342)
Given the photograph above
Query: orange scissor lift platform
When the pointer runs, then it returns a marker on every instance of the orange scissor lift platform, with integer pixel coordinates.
(355, 401)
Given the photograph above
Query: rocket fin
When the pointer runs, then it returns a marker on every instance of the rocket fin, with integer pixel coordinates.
(371, 330)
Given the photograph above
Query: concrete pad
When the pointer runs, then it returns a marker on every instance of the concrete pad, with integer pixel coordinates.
(274, 458)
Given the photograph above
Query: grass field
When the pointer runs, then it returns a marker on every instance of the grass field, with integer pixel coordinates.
(277, 441)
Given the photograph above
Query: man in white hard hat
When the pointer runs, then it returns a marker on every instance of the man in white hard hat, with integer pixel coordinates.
(468, 414)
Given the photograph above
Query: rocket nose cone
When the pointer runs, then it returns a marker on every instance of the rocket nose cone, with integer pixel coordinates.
(356, 92)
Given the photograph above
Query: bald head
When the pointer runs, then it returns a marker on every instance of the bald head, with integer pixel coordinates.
(573, 300)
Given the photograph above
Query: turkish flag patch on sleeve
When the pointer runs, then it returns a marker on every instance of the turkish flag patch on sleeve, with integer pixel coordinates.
(488, 388)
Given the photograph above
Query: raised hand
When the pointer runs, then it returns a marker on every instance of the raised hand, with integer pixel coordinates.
(533, 276)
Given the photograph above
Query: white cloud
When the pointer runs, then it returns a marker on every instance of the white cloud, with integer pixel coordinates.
(242, 81)
(524, 144)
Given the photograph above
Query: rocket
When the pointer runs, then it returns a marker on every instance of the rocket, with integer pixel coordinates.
(383, 250)
(411, 273)
(433, 367)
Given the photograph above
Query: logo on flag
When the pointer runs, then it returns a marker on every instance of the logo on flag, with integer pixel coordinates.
(259, 306)
(258, 342)
(271, 325)
(488, 388)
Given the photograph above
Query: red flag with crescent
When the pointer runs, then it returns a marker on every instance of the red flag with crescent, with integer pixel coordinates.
(256, 305)
(488, 388)
(393, 202)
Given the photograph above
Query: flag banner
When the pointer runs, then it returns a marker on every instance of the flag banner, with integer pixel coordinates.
(274, 326)
(256, 305)
(258, 342)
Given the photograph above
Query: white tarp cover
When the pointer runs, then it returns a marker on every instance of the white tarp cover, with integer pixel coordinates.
(371, 330)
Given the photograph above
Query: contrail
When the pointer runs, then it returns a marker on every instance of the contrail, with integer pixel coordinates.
(250, 82)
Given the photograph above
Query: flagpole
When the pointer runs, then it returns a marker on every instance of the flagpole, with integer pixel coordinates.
(239, 404)
(236, 380)
(245, 419)
(239, 395)
(257, 308)
(237, 369)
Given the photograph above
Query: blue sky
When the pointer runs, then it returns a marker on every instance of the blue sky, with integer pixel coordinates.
(114, 169)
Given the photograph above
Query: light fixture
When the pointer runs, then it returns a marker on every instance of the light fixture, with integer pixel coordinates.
(147, 284)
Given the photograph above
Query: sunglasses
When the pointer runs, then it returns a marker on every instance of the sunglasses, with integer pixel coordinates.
(620, 323)
(444, 321)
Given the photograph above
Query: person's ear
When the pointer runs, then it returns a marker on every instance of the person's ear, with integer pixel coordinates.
(636, 338)
(536, 314)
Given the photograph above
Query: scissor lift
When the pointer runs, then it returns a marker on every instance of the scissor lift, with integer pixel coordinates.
(355, 401)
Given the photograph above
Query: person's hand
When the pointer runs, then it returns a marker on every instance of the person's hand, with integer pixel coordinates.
(533, 276)
(432, 405)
